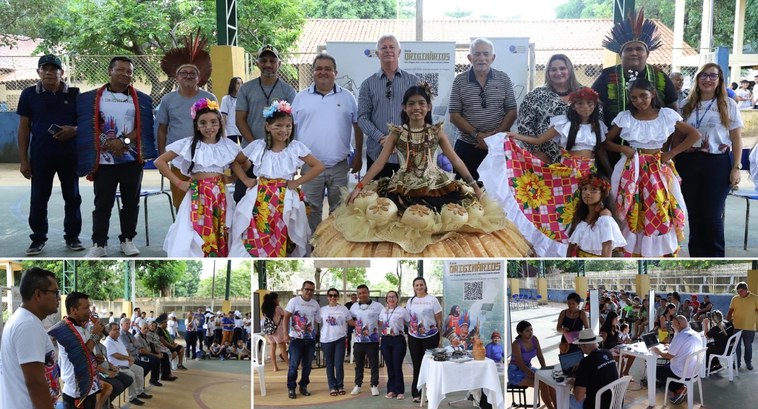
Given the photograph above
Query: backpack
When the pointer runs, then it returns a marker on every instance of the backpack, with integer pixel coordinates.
(269, 326)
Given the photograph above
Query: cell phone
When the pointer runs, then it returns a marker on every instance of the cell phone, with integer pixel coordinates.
(54, 129)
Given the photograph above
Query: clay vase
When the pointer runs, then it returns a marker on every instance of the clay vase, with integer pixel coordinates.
(478, 350)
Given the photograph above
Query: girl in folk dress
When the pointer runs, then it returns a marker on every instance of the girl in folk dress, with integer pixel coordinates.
(200, 229)
(594, 231)
(646, 186)
(271, 220)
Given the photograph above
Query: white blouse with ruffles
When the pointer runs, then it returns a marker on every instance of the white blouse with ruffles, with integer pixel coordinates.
(209, 158)
(585, 138)
(276, 165)
(590, 238)
(715, 137)
(647, 134)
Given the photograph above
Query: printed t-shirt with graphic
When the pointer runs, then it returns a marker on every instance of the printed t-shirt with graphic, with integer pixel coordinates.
(366, 321)
(392, 321)
(421, 312)
(117, 115)
(303, 319)
(333, 322)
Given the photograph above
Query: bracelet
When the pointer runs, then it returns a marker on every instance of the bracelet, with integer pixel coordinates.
(360, 185)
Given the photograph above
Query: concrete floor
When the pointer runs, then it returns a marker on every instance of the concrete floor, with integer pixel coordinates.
(14, 228)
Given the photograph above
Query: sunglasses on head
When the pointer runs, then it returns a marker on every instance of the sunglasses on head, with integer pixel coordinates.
(388, 92)
(484, 99)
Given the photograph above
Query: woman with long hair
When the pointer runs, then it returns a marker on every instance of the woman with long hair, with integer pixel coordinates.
(570, 322)
(425, 315)
(334, 320)
(526, 347)
(274, 312)
(708, 170)
(718, 330)
(665, 330)
(229, 110)
(392, 321)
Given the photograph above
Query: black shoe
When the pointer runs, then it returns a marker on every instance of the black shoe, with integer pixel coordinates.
(304, 391)
(75, 245)
(169, 379)
(291, 394)
(144, 395)
(749, 367)
(35, 248)
(156, 383)
(136, 402)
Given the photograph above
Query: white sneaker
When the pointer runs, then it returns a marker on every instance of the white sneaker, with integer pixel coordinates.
(374, 391)
(97, 252)
(128, 248)
(356, 390)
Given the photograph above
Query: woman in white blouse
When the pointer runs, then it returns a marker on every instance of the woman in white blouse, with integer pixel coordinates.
(334, 320)
(708, 170)
(392, 321)
(425, 315)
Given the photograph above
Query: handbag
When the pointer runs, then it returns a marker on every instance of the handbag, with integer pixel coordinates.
(269, 326)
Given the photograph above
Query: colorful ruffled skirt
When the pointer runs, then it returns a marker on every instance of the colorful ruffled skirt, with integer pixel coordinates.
(270, 221)
(200, 229)
(539, 198)
(650, 204)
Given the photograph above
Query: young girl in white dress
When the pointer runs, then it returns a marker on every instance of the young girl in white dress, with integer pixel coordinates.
(645, 186)
(594, 231)
(271, 220)
(201, 225)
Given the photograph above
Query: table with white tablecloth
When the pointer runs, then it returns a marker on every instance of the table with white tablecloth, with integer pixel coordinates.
(442, 377)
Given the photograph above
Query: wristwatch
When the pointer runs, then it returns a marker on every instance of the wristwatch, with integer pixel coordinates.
(737, 165)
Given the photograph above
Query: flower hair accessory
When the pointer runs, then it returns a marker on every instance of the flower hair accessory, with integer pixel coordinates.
(277, 106)
(584, 94)
(595, 180)
(427, 88)
(203, 103)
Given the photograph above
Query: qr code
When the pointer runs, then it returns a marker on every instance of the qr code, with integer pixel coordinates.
(472, 290)
(431, 78)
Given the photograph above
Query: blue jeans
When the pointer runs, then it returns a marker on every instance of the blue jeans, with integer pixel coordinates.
(334, 354)
(301, 350)
(747, 340)
(393, 351)
(575, 404)
(43, 172)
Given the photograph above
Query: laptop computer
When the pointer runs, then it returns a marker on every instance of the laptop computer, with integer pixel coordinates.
(570, 362)
(650, 339)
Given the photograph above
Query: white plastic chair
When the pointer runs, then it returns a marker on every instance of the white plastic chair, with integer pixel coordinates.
(617, 389)
(692, 364)
(731, 345)
(259, 359)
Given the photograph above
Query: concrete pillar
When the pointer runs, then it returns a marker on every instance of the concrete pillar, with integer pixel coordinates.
(228, 62)
(752, 281)
(542, 289)
(515, 287)
(226, 306)
(738, 40)
(642, 284)
(676, 52)
(581, 286)
(706, 30)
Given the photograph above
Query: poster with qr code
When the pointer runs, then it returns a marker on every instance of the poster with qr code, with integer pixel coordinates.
(474, 306)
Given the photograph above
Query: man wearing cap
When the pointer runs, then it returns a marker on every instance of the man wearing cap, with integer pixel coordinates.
(46, 130)
(685, 342)
(117, 120)
(743, 312)
(326, 116)
(255, 95)
(595, 371)
(174, 118)
(380, 102)
(634, 50)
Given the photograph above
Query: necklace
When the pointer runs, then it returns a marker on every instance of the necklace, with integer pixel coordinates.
(562, 93)
(268, 96)
(117, 99)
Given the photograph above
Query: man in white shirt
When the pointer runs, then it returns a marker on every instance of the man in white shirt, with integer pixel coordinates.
(685, 342)
(26, 349)
(120, 358)
(300, 316)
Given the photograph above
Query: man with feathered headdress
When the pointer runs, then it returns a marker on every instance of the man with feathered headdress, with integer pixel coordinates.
(633, 39)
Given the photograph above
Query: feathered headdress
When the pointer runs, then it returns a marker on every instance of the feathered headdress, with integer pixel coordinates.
(636, 28)
(194, 53)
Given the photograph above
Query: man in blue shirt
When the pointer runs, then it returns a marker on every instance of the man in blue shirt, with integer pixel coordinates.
(46, 131)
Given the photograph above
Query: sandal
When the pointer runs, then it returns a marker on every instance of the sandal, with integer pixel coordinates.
(342, 391)
(333, 392)
(390, 395)
(400, 396)
(416, 400)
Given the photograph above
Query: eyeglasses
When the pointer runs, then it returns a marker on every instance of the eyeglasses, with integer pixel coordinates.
(310, 290)
(185, 74)
(323, 69)
(56, 292)
(388, 92)
(484, 99)
(332, 295)
(713, 76)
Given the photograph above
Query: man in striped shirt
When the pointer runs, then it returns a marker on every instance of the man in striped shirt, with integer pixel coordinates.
(482, 103)
(380, 101)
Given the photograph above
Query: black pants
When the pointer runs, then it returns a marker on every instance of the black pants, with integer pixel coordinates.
(165, 364)
(190, 339)
(387, 170)
(152, 367)
(471, 156)
(44, 168)
(664, 371)
(239, 188)
(361, 350)
(416, 347)
(89, 403)
(119, 383)
(705, 185)
(200, 337)
(127, 178)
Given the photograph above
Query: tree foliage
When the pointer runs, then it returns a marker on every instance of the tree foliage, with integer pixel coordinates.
(159, 275)
(21, 17)
(189, 283)
(458, 12)
(352, 9)
(279, 273)
(239, 282)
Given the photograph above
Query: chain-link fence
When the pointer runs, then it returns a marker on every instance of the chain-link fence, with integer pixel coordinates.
(91, 71)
